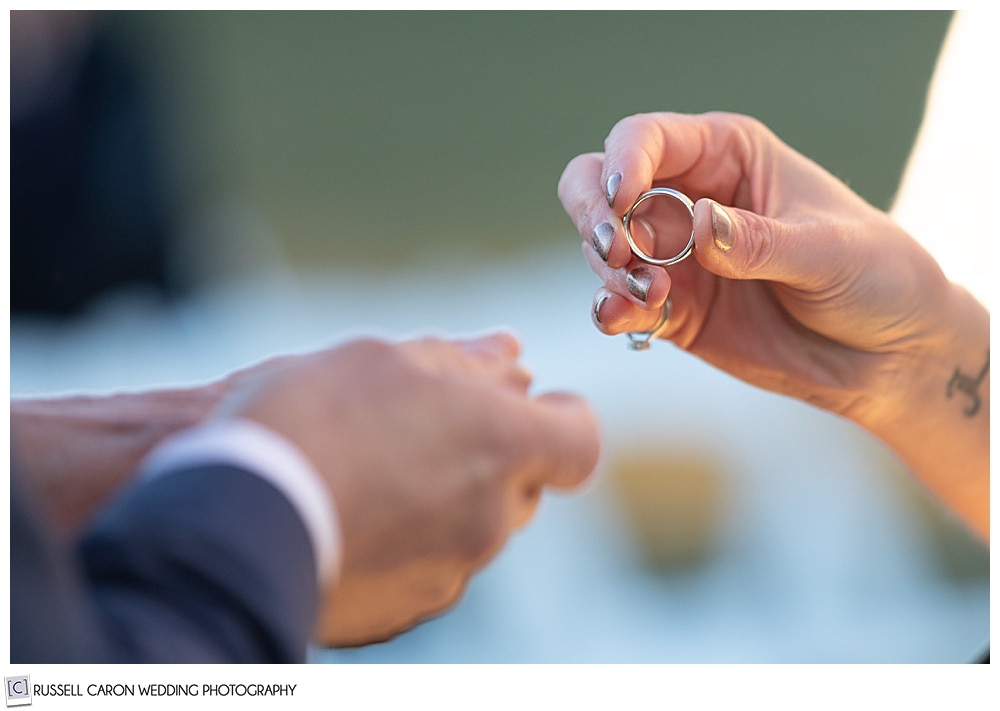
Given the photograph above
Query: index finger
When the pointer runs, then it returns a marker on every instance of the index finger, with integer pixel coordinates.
(704, 155)
(583, 199)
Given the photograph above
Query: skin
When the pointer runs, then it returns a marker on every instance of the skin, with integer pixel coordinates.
(75, 453)
(811, 292)
(433, 452)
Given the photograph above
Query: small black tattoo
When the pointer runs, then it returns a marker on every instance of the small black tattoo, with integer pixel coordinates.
(969, 385)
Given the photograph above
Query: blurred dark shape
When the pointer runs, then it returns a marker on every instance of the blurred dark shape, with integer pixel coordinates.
(87, 210)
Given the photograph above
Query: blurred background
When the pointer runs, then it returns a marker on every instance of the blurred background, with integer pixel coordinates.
(193, 191)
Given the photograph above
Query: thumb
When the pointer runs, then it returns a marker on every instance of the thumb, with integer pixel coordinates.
(565, 437)
(739, 244)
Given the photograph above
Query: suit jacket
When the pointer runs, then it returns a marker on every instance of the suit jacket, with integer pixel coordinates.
(206, 564)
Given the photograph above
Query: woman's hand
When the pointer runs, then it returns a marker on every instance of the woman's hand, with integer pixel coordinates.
(798, 285)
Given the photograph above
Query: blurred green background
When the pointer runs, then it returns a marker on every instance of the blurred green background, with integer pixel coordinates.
(382, 137)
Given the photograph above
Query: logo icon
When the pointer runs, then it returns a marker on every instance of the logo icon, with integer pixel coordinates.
(18, 690)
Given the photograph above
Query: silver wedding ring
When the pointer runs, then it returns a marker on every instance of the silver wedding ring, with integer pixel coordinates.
(641, 341)
(636, 249)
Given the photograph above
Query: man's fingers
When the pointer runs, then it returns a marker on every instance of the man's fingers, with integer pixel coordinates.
(493, 355)
(499, 352)
(562, 441)
(496, 344)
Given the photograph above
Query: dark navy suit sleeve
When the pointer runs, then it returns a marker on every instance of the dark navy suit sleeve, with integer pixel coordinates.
(208, 564)
(51, 618)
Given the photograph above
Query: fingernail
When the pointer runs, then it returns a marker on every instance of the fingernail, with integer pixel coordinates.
(638, 282)
(611, 189)
(722, 228)
(604, 234)
(598, 305)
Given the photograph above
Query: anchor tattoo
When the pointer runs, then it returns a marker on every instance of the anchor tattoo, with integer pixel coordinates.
(964, 383)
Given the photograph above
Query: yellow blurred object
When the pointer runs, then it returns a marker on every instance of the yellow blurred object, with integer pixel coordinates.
(673, 499)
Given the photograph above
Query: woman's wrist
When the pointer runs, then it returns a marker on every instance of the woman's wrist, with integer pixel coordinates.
(935, 412)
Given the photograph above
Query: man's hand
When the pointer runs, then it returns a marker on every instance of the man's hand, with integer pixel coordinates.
(433, 452)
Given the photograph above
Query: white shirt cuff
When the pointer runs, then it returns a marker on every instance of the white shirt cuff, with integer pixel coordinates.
(265, 453)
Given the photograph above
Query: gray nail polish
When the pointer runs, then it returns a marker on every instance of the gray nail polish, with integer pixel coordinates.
(638, 281)
(598, 305)
(722, 228)
(604, 235)
(611, 189)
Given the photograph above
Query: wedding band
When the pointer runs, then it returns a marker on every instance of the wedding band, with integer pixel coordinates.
(627, 221)
(642, 340)
(597, 306)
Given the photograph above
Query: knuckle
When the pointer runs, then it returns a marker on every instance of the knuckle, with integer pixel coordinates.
(758, 249)
(368, 347)
(738, 122)
(759, 252)
(633, 122)
(575, 165)
(448, 594)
